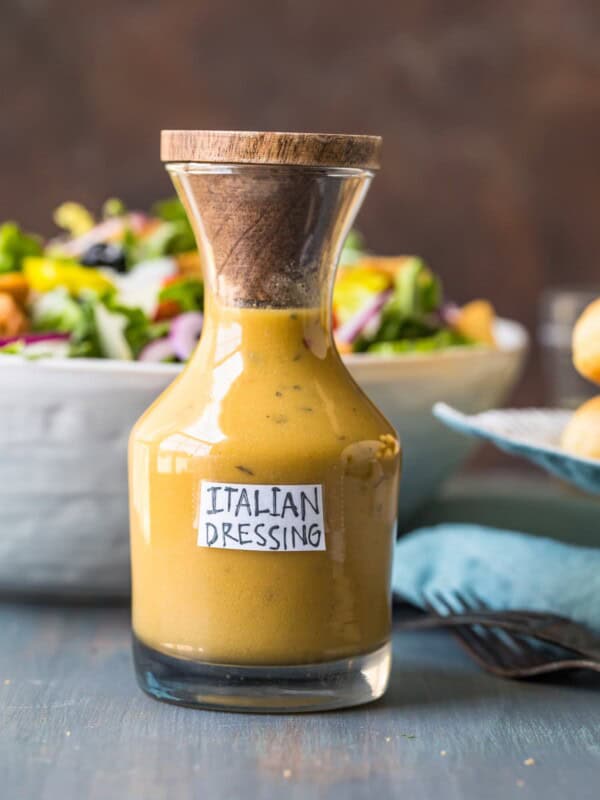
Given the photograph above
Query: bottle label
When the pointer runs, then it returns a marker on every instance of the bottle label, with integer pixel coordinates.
(241, 516)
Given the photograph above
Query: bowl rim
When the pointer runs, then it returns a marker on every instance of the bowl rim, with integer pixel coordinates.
(513, 339)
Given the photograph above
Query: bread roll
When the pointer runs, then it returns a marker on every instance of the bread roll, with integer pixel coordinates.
(581, 437)
(586, 343)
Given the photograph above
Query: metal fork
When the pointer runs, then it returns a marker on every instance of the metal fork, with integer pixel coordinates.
(518, 644)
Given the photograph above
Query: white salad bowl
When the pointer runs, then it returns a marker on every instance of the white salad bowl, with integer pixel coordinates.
(64, 426)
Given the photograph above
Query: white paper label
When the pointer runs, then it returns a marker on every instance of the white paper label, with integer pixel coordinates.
(243, 516)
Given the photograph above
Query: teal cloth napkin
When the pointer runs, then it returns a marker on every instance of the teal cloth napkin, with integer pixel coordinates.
(507, 570)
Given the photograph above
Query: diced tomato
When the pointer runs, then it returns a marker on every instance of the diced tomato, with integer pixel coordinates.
(167, 309)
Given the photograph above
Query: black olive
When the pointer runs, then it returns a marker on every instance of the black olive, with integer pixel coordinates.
(105, 254)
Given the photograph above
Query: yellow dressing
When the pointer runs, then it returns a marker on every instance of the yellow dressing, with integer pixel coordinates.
(267, 401)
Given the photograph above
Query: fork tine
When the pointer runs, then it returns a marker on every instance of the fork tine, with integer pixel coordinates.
(529, 655)
(475, 604)
(430, 607)
(520, 646)
(480, 604)
(524, 653)
(478, 601)
(444, 603)
(485, 654)
(509, 654)
(505, 646)
(471, 602)
(463, 603)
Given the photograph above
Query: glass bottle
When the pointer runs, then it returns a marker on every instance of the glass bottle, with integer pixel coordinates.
(263, 482)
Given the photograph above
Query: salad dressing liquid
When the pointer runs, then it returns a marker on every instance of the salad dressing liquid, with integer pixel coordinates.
(265, 401)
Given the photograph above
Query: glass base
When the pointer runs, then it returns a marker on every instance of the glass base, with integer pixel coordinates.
(307, 687)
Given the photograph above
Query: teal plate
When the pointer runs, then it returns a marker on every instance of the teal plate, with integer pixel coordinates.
(531, 433)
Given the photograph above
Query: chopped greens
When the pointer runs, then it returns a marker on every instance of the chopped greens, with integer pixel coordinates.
(182, 238)
(425, 344)
(408, 316)
(85, 341)
(125, 329)
(56, 311)
(188, 293)
(138, 249)
(16, 245)
(391, 307)
(128, 285)
(416, 290)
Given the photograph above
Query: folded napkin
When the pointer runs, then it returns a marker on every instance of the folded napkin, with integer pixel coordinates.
(505, 569)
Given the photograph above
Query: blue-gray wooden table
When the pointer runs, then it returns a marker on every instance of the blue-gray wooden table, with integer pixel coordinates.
(74, 726)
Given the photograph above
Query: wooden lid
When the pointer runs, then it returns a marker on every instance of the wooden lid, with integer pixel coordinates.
(254, 147)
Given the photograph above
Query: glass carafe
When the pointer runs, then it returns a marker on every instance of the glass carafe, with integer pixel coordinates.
(263, 482)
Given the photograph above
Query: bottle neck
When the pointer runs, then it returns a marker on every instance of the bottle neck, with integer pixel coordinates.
(269, 236)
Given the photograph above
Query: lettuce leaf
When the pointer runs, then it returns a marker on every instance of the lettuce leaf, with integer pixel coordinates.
(56, 311)
(410, 314)
(437, 341)
(417, 291)
(188, 293)
(126, 329)
(85, 341)
(15, 245)
(173, 214)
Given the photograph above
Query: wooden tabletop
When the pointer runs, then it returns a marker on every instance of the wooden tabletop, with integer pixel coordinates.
(74, 725)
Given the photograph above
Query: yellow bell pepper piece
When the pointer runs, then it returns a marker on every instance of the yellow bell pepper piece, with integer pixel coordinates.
(74, 218)
(45, 274)
(354, 286)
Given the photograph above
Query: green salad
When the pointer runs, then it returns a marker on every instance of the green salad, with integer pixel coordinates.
(128, 285)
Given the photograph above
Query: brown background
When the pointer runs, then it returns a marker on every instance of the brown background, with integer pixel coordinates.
(490, 111)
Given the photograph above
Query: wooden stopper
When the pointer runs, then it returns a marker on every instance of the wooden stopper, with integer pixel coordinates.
(269, 226)
(252, 147)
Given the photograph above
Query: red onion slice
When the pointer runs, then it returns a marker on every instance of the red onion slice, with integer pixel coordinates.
(158, 350)
(34, 338)
(448, 314)
(351, 330)
(185, 332)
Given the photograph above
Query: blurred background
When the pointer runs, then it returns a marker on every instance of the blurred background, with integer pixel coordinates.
(490, 113)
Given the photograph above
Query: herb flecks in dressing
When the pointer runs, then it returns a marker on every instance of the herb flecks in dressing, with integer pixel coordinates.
(245, 470)
(265, 607)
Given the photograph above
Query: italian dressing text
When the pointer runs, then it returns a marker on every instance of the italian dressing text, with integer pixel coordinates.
(237, 516)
